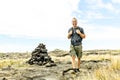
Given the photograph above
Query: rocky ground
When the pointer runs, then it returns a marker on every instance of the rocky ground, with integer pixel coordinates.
(91, 61)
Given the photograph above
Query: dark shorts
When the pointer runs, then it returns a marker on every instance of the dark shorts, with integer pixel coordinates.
(76, 51)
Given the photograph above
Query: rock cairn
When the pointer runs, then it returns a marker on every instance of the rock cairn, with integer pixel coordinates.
(41, 57)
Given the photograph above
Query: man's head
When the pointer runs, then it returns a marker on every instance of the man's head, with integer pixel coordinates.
(74, 22)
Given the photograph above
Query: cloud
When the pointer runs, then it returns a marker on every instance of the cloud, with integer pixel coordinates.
(50, 19)
(92, 10)
(102, 32)
(94, 15)
(108, 6)
(73, 4)
(116, 1)
(37, 19)
(98, 5)
(101, 37)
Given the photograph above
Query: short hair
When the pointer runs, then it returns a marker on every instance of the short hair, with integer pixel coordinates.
(74, 18)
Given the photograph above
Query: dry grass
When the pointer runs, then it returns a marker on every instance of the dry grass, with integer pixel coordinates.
(106, 74)
(14, 63)
(97, 57)
(109, 72)
(115, 63)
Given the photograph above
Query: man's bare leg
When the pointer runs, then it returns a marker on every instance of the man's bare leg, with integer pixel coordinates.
(78, 65)
(79, 61)
(73, 62)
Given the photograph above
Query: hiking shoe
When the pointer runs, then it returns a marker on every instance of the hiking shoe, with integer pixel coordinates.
(77, 70)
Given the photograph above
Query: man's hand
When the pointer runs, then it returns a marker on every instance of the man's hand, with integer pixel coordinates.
(81, 34)
(78, 32)
(69, 34)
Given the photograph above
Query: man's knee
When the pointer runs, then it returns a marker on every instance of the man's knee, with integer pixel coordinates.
(73, 57)
(79, 59)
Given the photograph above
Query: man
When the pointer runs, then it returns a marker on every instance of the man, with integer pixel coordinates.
(76, 34)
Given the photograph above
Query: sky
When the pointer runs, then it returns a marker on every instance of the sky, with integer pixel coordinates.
(26, 23)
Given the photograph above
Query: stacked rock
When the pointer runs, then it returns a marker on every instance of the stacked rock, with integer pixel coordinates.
(41, 57)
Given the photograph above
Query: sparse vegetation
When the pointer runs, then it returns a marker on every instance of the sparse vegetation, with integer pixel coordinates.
(13, 62)
(115, 63)
(106, 71)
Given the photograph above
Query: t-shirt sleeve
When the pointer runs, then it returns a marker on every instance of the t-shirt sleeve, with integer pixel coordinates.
(82, 30)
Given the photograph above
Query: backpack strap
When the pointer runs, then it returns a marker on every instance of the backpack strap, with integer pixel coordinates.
(81, 29)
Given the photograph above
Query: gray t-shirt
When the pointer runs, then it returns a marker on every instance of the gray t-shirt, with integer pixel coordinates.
(75, 38)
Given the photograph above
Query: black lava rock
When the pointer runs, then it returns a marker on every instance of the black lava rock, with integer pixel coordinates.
(40, 56)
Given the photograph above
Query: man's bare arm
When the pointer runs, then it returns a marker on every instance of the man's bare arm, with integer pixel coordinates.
(69, 34)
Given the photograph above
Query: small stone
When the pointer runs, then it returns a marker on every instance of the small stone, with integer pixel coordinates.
(4, 78)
